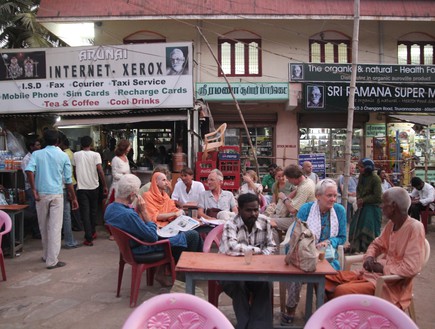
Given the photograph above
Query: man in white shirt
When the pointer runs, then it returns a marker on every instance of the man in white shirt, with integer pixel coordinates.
(187, 190)
(307, 169)
(88, 168)
(421, 196)
(215, 198)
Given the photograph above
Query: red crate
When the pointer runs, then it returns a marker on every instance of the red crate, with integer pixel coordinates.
(231, 182)
(230, 166)
(202, 170)
(203, 180)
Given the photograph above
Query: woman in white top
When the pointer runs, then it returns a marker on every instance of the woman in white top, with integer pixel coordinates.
(251, 184)
(120, 165)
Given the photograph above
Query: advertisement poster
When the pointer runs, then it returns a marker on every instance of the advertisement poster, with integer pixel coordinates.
(96, 78)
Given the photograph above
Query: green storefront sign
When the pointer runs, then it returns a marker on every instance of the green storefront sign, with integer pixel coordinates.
(375, 130)
(218, 91)
(370, 97)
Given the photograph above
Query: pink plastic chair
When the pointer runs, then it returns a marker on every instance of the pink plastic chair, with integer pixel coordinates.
(263, 203)
(177, 310)
(7, 222)
(214, 288)
(359, 311)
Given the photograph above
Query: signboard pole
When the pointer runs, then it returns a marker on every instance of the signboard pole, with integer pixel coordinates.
(351, 107)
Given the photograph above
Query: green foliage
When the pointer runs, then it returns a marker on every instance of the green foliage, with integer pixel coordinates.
(20, 29)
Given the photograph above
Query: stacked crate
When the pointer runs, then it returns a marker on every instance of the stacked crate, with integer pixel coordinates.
(229, 165)
(203, 168)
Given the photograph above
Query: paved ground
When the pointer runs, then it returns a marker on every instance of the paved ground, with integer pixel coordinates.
(82, 294)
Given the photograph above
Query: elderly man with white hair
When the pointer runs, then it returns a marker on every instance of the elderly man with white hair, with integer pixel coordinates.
(178, 63)
(401, 242)
(215, 199)
(121, 215)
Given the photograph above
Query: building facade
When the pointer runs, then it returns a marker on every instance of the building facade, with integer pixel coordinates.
(259, 48)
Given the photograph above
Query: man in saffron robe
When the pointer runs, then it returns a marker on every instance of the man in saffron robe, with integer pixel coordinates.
(402, 244)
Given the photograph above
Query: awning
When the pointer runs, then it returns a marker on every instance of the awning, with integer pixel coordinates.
(119, 117)
(424, 120)
(119, 120)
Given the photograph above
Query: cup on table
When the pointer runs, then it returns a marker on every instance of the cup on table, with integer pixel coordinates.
(195, 213)
(321, 253)
(248, 256)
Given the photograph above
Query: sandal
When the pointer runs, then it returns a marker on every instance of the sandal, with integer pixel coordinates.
(286, 320)
(111, 238)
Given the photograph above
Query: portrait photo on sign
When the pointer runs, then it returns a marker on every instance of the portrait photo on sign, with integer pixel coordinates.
(177, 60)
(315, 95)
(296, 71)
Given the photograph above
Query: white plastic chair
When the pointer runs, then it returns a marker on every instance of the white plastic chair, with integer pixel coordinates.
(349, 260)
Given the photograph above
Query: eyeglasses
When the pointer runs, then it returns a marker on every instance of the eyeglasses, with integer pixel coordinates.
(177, 60)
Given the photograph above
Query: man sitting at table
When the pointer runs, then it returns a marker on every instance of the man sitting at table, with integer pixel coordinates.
(249, 232)
(121, 215)
(215, 199)
(187, 191)
(402, 243)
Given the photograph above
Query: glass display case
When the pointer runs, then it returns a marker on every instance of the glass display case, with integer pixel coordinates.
(262, 141)
(332, 143)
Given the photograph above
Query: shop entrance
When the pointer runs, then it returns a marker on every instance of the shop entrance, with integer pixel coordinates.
(331, 142)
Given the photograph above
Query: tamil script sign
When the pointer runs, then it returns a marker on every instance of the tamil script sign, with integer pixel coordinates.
(219, 91)
(369, 97)
(96, 78)
(309, 72)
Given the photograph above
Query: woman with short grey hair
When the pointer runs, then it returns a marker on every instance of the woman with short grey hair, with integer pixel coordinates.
(327, 220)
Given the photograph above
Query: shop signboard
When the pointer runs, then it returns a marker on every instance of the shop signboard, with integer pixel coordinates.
(261, 91)
(318, 161)
(375, 73)
(369, 97)
(96, 78)
(375, 130)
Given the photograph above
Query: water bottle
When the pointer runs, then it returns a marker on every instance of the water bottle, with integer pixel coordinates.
(2, 160)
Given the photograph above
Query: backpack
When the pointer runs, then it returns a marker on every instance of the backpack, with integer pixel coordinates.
(302, 251)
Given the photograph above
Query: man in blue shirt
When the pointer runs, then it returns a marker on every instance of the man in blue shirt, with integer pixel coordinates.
(47, 170)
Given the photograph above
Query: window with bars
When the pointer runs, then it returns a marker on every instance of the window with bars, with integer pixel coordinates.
(144, 37)
(239, 57)
(416, 52)
(330, 47)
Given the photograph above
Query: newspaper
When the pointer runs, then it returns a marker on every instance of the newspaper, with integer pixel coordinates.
(212, 222)
(181, 223)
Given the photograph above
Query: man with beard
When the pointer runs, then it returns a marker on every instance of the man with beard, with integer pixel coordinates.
(249, 232)
(178, 63)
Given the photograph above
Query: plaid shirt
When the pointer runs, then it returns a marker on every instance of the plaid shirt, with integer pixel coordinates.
(236, 238)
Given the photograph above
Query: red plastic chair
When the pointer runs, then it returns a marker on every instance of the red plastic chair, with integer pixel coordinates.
(140, 263)
(359, 311)
(214, 288)
(425, 215)
(7, 222)
(177, 310)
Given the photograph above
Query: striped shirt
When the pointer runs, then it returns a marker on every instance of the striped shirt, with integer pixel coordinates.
(236, 238)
